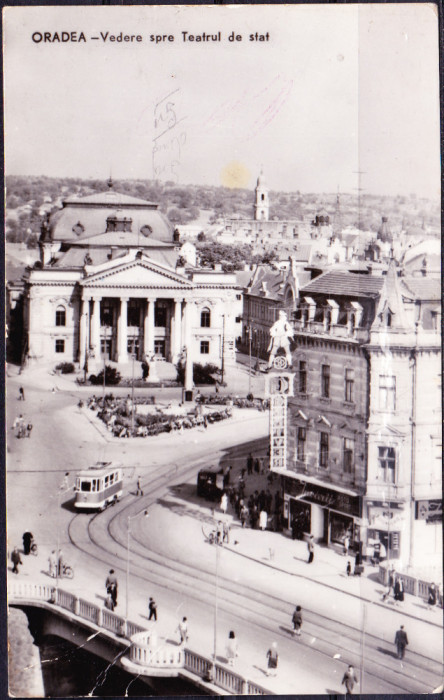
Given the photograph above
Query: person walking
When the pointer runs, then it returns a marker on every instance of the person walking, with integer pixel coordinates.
(273, 658)
(226, 533)
(349, 568)
(432, 596)
(152, 607)
(310, 547)
(346, 545)
(244, 515)
(52, 562)
(111, 586)
(109, 603)
(257, 465)
(27, 541)
(21, 394)
(60, 563)
(139, 491)
(390, 584)
(250, 463)
(349, 679)
(232, 648)
(297, 620)
(263, 519)
(183, 630)
(399, 590)
(16, 560)
(28, 430)
(224, 503)
(401, 642)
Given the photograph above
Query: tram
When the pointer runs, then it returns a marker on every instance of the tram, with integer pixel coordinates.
(99, 486)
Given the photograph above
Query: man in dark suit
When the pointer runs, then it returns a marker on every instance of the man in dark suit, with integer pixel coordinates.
(401, 641)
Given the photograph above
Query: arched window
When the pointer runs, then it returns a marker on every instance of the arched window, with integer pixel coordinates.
(205, 318)
(60, 316)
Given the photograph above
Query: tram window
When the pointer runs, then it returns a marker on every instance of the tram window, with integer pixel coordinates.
(94, 485)
(111, 478)
(106, 481)
(86, 486)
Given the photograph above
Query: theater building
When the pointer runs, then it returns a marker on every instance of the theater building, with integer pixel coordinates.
(363, 427)
(107, 286)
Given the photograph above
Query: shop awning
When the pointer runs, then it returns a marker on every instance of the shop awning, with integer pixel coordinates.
(319, 482)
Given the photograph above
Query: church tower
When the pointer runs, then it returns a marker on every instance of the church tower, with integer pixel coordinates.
(261, 205)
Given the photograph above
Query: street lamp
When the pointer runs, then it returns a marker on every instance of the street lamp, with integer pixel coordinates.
(249, 358)
(223, 349)
(128, 532)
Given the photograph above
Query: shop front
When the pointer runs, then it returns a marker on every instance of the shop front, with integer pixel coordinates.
(386, 522)
(327, 514)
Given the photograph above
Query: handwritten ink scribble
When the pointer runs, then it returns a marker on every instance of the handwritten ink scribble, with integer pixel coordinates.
(245, 116)
(168, 140)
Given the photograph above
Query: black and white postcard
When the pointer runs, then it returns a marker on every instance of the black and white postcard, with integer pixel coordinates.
(223, 307)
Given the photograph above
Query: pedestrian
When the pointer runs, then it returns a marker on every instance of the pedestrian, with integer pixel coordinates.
(152, 607)
(390, 584)
(16, 560)
(226, 533)
(261, 466)
(139, 491)
(401, 642)
(27, 541)
(398, 590)
(297, 620)
(310, 547)
(232, 648)
(349, 681)
(109, 603)
(432, 595)
(111, 586)
(346, 545)
(273, 658)
(28, 430)
(349, 568)
(219, 532)
(250, 462)
(21, 394)
(263, 518)
(52, 561)
(60, 563)
(227, 476)
(224, 503)
(244, 515)
(183, 630)
(257, 466)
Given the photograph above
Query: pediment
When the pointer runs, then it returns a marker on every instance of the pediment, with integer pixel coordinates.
(386, 431)
(137, 273)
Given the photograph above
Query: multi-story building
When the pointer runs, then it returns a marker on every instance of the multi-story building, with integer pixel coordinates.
(108, 286)
(363, 425)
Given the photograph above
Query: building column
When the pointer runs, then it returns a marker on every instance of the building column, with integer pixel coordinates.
(122, 334)
(187, 345)
(176, 331)
(83, 331)
(148, 328)
(95, 327)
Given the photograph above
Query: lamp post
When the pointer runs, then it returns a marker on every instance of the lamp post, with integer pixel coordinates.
(104, 367)
(223, 349)
(128, 533)
(132, 394)
(249, 359)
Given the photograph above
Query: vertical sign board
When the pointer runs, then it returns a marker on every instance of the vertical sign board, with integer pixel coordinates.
(279, 386)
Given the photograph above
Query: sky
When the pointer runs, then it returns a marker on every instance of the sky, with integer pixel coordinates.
(333, 91)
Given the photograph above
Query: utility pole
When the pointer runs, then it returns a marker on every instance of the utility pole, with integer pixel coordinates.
(223, 349)
(249, 359)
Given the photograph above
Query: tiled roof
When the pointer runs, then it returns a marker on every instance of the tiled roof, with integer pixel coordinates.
(345, 284)
(273, 281)
(427, 288)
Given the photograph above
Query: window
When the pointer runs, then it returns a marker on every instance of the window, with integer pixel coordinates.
(323, 450)
(349, 381)
(204, 347)
(133, 315)
(160, 316)
(59, 345)
(302, 436)
(302, 377)
(348, 455)
(387, 464)
(325, 381)
(60, 318)
(85, 486)
(238, 319)
(205, 318)
(387, 393)
(238, 297)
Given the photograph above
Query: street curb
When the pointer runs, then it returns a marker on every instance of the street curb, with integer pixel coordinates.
(327, 585)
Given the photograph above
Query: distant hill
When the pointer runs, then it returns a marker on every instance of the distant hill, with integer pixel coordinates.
(28, 198)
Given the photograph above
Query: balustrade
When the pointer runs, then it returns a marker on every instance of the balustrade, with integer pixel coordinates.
(89, 611)
(66, 600)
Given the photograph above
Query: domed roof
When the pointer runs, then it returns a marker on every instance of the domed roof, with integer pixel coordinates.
(105, 212)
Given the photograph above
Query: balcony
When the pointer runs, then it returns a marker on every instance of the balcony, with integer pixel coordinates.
(337, 331)
(328, 475)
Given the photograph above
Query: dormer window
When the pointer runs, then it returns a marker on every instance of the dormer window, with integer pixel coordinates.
(147, 231)
(115, 224)
(389, 319)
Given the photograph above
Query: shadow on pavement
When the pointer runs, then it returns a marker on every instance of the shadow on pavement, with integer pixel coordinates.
(387, 652)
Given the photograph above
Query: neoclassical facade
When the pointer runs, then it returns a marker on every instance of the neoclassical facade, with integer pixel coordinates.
(107, 287)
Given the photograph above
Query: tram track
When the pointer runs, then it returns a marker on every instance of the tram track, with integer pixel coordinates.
(106, 533)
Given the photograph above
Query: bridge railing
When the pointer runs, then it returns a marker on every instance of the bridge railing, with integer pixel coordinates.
(141, 652)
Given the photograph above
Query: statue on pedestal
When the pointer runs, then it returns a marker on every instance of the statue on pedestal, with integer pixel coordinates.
(280, 334)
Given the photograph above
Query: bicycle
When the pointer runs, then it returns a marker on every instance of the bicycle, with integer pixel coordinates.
(67, 571)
